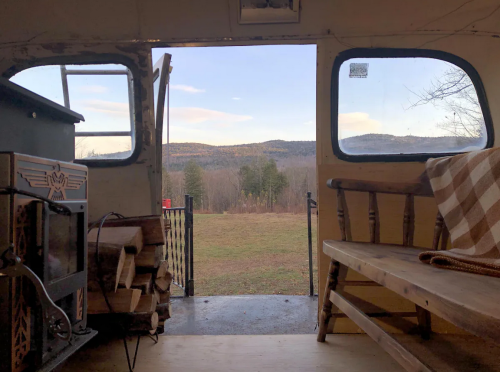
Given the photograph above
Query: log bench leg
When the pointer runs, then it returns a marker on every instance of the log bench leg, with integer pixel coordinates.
(326, 312)
(424, 322)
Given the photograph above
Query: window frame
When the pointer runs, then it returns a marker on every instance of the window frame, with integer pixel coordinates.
(402, 53)
(94, 59)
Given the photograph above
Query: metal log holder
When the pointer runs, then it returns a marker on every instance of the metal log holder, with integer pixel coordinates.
(124, 332)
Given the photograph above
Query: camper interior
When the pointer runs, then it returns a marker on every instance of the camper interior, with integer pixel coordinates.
(86, 240)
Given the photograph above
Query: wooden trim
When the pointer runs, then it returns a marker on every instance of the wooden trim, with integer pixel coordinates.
(416, 188)
(404, 357)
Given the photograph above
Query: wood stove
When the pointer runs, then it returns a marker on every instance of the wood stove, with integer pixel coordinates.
(43, 223)
(50, 239)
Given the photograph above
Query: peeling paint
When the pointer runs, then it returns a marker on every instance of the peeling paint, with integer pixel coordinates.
(58, 48)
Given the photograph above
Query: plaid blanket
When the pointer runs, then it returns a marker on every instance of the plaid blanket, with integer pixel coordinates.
(467, 190)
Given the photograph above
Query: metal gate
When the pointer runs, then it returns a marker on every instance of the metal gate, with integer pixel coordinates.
(180, 245)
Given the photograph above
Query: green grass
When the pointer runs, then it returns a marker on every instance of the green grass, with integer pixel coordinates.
(252, 254)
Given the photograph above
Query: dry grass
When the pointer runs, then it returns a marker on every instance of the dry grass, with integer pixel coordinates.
(252, 254)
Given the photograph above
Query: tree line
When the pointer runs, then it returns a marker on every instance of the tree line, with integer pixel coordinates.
(261, 186)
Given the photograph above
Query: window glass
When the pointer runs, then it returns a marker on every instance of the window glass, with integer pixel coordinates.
(407, 106)
(101, 94)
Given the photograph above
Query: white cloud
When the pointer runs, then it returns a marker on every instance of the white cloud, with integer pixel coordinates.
(196, 115)
(236, 98)
(310, 123)
(359, 122)
(186, 88)
(96, 89)
(107, 107)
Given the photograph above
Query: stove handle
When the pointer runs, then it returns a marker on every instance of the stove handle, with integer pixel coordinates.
(57, 320)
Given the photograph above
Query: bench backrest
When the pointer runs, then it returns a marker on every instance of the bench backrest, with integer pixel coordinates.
(410, 190)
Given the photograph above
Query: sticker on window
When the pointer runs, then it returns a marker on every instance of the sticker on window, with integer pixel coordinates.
(358, 70)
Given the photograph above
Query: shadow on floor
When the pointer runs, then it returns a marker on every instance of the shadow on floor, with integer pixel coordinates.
(243, 315)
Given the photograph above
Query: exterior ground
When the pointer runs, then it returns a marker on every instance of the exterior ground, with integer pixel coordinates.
(236, 254)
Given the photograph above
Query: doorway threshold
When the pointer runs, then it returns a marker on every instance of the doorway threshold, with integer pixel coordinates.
(243, 315)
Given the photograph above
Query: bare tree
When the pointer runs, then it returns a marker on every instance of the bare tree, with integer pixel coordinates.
(455, 92)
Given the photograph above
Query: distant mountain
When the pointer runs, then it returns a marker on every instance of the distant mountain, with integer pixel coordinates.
(294, 152)
(386, 143)
(218, 157)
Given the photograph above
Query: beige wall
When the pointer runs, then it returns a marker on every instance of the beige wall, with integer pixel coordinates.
(470, 30)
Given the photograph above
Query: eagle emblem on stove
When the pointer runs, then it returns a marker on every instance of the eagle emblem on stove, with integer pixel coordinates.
(57, 180)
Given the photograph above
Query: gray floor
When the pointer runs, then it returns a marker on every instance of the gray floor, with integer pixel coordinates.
(243, 315)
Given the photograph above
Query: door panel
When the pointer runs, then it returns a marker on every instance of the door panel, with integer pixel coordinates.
(161, 75)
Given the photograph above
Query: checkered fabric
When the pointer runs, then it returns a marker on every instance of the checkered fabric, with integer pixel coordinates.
(467, 190)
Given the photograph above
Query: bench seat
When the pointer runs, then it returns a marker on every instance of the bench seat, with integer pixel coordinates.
(470, 301)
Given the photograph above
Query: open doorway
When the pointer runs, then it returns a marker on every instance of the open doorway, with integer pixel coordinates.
(239, 138)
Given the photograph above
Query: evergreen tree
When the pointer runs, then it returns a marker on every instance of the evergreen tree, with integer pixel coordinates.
(262, 179)
(193, 181)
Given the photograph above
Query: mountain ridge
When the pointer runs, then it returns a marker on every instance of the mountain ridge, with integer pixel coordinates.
(212, 157)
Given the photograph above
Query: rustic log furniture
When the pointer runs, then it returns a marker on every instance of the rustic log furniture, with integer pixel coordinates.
(468, 301)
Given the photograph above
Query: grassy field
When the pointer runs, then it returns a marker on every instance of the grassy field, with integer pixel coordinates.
(252, 254)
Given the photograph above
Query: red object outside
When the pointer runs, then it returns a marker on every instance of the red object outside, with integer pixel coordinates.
(167, 203)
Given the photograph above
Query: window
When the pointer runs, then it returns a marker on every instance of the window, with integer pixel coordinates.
(103, 94)
(406, 105)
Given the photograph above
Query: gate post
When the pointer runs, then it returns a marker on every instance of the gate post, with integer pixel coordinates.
(309, 241)
(187, 222)
(191, 243)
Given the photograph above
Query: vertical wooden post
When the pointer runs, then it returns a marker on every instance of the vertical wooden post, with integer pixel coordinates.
(373, 218)
(409, 221)
(341, 214)
(326, 312)
(438, 228)
(424, 322)
(444, 237)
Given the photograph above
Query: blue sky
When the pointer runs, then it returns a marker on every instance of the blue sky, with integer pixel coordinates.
(236, 95)
(381, 102)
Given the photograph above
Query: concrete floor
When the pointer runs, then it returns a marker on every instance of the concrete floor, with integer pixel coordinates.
(243, 315)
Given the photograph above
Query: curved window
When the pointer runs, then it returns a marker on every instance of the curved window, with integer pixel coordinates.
(102, 93)
(400, 105)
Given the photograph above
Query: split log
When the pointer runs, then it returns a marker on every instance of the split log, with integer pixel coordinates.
(153, 227)
(111, 259)
(163, 284)
(144, 282)
(164, 311)
(128, 236)
(149, 258)
(162, 269)
(135, 322)
(164, 297)
(145, 322)
(157, 295)
(121, 301)
(128, 272)
(147, 303)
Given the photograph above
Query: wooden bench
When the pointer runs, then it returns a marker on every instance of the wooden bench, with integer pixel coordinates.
(469, 301)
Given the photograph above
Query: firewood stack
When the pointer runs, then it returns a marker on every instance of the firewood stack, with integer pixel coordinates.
(132, 270)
